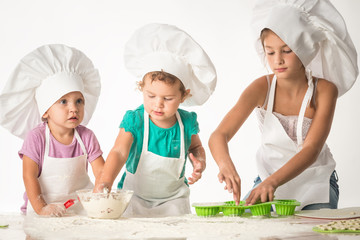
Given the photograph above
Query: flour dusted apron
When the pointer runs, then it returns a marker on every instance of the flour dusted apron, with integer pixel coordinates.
(312, 185)
(158, 188)
(61, 177)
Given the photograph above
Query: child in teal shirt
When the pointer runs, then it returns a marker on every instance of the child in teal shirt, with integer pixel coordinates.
(156, 138)
(163, 141)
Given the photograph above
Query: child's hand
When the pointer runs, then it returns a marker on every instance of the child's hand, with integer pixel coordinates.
(199, 166)
(232, 181)
(264, 192)
(53, 210)
(102, 188)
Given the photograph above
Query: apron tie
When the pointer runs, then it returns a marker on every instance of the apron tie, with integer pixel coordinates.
(304, 105)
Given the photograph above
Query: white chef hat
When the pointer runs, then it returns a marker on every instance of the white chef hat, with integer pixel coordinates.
(40, 79)
(316, 32)
(156, 47)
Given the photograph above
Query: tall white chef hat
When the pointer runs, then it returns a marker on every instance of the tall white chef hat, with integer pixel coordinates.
(156, 47)
(316, 32)
(40, 79)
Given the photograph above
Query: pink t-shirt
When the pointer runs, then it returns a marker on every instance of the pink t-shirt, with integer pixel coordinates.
(34, 148)
(34, 145)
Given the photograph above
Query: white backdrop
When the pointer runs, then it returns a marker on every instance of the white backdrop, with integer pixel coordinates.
(100, 29)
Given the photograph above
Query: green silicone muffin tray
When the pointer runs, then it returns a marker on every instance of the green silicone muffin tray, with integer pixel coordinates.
(284, 207)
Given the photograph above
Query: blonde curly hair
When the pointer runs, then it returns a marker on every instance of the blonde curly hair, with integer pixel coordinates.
(164, 77)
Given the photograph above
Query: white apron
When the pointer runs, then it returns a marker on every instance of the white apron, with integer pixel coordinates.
(158, 188)
(312, 185)
(61, 177)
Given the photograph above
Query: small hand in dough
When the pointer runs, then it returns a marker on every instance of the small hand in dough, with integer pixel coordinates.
(53, 210)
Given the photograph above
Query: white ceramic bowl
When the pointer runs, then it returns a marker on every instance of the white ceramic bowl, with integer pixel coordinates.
(105, 205)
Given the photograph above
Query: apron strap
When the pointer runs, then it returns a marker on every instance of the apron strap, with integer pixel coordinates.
(47, 141)
(182, 137)
(146, 134)
(78, 138)
(269, 107)
(305, 103)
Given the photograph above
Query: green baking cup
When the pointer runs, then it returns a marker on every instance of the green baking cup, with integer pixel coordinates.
(231, 209)
(260, 209)
(207, 209)
(285, 207)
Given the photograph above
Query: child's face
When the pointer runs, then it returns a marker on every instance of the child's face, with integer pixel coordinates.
(67, 112)
(282, 60)
(161, 101)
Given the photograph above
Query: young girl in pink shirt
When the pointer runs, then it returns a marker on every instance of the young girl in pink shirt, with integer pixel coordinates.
(52, 91)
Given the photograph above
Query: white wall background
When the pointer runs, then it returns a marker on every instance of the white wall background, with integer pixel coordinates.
(100, 29)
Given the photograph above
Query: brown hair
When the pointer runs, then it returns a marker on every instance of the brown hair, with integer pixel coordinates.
(263, 34)
(164, 77)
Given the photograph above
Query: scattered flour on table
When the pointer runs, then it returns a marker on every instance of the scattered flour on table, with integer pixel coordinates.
(186, 227)
(15, 226)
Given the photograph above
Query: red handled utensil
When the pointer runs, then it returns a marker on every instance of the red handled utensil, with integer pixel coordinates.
(70, 202)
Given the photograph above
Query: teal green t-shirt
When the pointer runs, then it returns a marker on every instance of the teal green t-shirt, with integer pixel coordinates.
(162, 141)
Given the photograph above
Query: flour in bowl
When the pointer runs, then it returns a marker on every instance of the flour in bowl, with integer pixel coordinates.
(105, 205)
